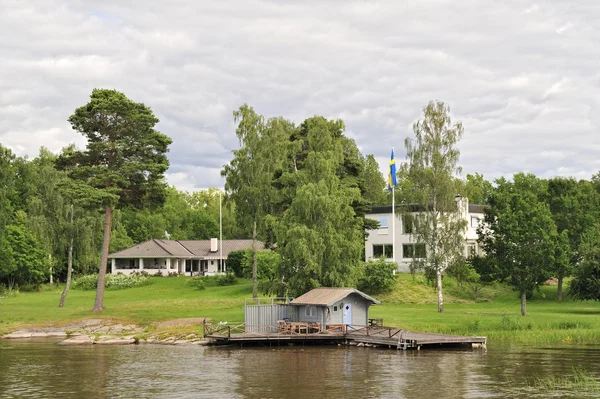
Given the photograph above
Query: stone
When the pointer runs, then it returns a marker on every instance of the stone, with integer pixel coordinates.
(116, 329)
(18, 335)
(116, 341)
(39, 335)
(57, 333)
(81, 340)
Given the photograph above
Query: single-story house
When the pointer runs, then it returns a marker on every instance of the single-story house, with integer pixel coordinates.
(191, 257)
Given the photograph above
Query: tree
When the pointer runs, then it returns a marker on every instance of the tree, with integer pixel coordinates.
(519, 233)
(575, 209)
(378, 276)
(586, 281)
(477, 189)
(430, 173)
(27, 263)
(123, 164)
(250, 175)
(320, 236)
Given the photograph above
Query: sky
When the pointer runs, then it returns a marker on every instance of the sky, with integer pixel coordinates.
(523, 77)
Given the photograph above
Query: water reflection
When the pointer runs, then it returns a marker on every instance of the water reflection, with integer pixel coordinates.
(39, 369)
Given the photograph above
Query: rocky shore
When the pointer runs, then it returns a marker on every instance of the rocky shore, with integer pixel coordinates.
(108, 332)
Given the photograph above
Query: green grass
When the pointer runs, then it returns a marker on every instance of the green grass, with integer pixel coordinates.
(580, 381)
(412, 305)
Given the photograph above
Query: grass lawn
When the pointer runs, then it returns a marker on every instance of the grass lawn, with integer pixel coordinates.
(412, 305)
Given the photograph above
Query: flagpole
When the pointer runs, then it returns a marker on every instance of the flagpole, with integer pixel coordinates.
(393, 226)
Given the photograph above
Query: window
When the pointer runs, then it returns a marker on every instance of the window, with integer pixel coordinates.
(383, 222)
(474, 221)
(407, 224)
(413, 251)
(383, 251)
(310, 311)
(335, 308)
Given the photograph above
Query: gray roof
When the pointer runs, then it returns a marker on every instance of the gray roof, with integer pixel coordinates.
(327, 296)
(182, 249)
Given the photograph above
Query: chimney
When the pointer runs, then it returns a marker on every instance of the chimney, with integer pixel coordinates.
(214, 244)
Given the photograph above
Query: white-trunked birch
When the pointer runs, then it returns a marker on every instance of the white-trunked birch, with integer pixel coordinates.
(431, 168)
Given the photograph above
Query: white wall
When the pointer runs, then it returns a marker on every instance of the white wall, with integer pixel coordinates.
(384, 235)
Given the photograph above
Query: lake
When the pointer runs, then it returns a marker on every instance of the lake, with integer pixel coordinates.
(43, 369)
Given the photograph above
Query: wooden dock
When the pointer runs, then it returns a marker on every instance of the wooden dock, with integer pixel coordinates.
(380, 336)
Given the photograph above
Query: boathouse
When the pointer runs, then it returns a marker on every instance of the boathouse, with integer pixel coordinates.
(320, 309)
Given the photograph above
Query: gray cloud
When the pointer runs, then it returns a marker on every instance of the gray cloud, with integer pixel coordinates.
(522, 77)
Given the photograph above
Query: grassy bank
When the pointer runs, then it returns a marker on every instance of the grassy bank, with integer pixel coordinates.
(492, 311)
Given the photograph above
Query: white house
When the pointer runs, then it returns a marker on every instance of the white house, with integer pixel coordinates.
(379, 242)
(191, 257)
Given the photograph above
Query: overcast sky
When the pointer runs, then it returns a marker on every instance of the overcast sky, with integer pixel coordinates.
(523, 77)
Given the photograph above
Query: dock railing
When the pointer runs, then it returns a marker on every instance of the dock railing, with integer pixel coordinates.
(222, 329)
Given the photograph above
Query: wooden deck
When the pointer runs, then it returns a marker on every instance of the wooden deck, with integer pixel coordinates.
(390, 337)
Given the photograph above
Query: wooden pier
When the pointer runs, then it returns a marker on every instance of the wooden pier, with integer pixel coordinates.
(375, 335)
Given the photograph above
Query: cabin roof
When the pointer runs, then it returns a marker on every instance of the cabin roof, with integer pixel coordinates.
(327, 296)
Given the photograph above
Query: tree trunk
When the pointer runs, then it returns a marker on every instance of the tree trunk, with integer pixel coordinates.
(523, 303)
(99, 304)
(254, 263)
(559, 296)
(69, 266)
(439, 291)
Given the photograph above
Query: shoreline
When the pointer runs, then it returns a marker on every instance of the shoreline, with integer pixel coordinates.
(110, 332)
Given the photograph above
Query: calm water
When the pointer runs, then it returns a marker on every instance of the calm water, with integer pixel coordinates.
(42, 369)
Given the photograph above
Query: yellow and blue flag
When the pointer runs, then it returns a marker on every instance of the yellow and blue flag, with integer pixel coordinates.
(392, 173)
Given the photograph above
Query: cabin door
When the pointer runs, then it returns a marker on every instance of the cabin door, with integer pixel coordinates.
(347, 314)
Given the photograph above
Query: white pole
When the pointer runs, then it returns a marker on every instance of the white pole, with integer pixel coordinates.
(221, 233)
(393, 226)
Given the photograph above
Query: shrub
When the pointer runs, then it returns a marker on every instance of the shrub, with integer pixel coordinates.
(226, 279)
(378, 277)
(112, 282)
(235, 262)
(196, 282)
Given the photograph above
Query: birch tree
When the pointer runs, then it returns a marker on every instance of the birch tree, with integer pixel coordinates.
(430, 169)
(250, 174)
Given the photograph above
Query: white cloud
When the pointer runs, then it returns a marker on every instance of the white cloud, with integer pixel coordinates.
(524, 93)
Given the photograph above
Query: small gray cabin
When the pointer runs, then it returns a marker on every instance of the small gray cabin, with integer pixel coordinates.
(334, 306)
(319, 309)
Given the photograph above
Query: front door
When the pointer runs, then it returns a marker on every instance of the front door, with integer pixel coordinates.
(347, 315)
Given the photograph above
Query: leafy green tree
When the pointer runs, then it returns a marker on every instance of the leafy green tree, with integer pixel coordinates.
(373, 182)
(319, 235)
(477, 189)
(586, 281)
(250, 174)
(27, 263)
(123, 164)
(519, 233)
(575, 207)
(429, 173)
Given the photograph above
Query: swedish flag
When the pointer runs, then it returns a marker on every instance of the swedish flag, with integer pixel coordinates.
(392, 173)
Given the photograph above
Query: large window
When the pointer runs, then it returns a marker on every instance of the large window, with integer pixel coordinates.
(413, 251)
(474, 221)
(383, 251)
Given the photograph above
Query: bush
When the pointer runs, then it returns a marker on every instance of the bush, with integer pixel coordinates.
(378, 277)
(196, 282)
(226, 279)
(235, 262)
(112, 281)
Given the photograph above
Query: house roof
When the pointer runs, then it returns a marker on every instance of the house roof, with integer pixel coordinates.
(327, 296)
(183, 249)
